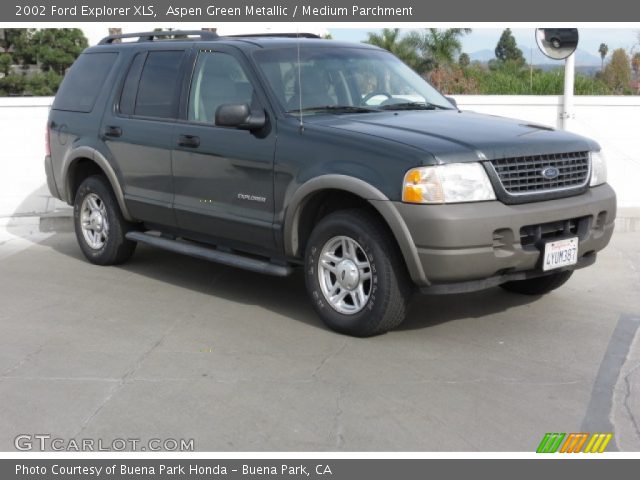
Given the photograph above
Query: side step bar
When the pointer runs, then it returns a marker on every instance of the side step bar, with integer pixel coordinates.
(212, 254)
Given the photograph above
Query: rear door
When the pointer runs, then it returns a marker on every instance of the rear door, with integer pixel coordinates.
(223, 177)
(139, 130)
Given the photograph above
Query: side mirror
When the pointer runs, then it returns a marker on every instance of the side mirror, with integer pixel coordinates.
(452, 101)
(239, 115)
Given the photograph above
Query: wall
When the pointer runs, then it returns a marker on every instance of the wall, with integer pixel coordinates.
(23, 187)
(612, 121)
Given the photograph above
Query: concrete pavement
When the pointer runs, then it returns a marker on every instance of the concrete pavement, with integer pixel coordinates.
(172, 347)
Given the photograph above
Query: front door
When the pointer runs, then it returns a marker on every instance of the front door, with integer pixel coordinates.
(223, 177)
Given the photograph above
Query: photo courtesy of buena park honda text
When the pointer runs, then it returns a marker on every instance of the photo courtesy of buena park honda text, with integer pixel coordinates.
(318, 239)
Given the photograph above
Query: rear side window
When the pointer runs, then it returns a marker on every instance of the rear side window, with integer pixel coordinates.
(130, 87)
(157, 94)
(84, 81)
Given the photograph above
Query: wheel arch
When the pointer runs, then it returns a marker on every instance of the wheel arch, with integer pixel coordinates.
(297, 218)
(84, 161)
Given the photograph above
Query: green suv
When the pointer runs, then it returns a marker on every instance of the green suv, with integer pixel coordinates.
(275, 152)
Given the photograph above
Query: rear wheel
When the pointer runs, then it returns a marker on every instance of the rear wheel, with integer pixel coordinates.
(99, 224)
(538, 285)
(355, 274)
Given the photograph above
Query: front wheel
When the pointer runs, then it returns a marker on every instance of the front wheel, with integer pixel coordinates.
(538, 285)
(355, 274)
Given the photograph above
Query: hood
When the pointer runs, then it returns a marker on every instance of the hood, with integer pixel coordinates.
(453, 136)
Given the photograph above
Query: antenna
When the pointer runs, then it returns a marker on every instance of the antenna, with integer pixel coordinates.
(299, 83)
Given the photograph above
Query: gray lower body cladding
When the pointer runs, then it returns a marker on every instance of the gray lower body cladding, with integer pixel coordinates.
(474, 241)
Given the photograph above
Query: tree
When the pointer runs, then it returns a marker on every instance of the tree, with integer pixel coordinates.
(603, 49)
(438, 47)
(635, 63)
(58, 48)
(5, 63)
(10, 36)
(464, 60)
(50, 48)
(402, 47)
(617, 73)
(507, 49)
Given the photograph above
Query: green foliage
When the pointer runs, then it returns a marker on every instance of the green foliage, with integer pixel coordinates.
(603, 49)
(437, 47)
(507, 81)
(464, 60)
(52, 49)
(507, 50)
(6, 60)
(402, 47)
(57, 48)
(12, 85)
(39, 84)
(9, 38)
(635, 63)
(617, 73)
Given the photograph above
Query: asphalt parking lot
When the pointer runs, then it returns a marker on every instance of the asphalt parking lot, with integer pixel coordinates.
(173, 347)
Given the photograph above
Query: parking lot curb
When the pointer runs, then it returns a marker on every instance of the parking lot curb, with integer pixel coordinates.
(59, 221)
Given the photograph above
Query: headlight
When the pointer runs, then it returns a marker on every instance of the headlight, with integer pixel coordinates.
(452, 183)
(598, 169)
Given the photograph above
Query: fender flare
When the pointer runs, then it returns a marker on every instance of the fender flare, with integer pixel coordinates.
(92, 154)
(366, 191)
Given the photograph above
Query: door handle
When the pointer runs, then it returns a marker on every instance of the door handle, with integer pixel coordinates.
(113, 131)
(191, 141)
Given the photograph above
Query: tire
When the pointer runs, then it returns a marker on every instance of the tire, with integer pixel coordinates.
(375, 298)
(103, 243)
(555, 43)
(538, 285)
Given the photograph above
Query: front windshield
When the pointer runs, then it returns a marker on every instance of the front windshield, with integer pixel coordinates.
(352, 79)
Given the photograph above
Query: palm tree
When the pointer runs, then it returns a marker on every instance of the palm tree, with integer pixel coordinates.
(439, 47)
(390, 39)
(603, 50)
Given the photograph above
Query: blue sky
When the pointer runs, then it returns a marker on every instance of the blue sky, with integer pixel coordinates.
(486, 38)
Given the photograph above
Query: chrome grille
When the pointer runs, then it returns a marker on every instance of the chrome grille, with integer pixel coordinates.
(523, 175)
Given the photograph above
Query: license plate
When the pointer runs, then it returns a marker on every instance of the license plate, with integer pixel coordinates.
(560, 253)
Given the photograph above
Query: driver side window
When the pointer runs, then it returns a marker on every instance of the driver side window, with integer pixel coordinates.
(218, 79)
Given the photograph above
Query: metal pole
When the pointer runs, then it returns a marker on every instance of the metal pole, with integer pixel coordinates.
(568, 115)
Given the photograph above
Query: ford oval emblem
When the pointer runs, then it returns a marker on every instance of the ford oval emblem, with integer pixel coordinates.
(550, 173)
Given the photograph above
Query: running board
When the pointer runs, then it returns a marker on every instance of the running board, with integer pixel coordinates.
(212, 254)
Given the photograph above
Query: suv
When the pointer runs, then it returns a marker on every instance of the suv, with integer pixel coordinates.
(271, 152)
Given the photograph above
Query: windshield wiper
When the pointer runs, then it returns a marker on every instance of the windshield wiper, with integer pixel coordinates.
(335, 109)
(413, 106)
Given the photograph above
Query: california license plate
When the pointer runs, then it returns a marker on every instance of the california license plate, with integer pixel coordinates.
(560, 253)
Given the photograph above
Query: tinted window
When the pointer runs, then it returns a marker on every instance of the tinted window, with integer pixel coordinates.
(157, 92)
(130, 87)
(217, 79)
(83, 82)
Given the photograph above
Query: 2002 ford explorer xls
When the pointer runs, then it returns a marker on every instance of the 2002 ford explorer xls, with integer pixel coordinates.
(269, 153)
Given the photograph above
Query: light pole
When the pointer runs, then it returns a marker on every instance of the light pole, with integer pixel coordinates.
(568, 115)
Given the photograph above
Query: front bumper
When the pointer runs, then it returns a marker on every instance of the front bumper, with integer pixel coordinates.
(473, 241)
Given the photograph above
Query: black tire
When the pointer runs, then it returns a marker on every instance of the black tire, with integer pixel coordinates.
(116, 248)
(389, 285)
(538, 285)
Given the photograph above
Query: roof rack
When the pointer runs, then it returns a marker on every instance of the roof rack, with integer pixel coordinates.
(280, 35)
(150, 36)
